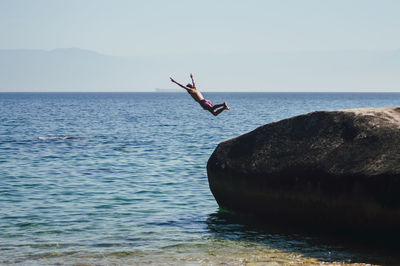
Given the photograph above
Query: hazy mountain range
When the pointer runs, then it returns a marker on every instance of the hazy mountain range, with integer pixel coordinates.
(83, 70)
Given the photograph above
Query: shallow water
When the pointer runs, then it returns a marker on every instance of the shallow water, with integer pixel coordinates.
(120, 178)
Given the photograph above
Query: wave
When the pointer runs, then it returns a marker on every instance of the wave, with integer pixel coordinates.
(57, 137)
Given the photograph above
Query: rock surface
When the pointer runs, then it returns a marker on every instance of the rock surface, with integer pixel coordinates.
(330, 168)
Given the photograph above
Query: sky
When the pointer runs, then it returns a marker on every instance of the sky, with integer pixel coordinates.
(186, 27)
(233, 39)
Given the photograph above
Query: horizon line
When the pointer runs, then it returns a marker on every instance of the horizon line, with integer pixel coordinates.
(166, 92)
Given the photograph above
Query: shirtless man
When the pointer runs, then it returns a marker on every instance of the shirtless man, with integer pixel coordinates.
(198, 97)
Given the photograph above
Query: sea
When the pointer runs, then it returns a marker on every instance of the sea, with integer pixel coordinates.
(120, 179)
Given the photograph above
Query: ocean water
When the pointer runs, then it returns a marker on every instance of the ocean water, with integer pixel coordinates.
(120, 178)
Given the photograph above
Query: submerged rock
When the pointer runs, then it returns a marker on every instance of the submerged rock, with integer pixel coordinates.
(330, 168)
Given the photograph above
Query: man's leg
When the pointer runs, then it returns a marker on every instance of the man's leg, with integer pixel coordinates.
(218, 106)
(221, 105)
(217, 112)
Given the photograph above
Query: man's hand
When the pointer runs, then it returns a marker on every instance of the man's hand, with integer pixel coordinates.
(172, 80)
(191, 75)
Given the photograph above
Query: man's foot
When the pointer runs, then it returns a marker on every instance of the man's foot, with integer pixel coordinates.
(226, 106)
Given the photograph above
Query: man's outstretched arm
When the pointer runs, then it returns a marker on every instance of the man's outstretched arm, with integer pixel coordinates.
(183, 86)
(191, 76)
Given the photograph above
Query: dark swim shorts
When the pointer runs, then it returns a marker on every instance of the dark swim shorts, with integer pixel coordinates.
(206, 104)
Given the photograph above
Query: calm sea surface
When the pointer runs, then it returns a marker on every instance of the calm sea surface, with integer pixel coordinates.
(120, 178)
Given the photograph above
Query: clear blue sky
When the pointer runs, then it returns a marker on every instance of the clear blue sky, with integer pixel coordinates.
(174, 27)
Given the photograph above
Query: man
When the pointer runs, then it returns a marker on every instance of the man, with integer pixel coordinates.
(198, 97)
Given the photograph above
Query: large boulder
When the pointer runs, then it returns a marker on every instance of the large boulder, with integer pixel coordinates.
(331, 168)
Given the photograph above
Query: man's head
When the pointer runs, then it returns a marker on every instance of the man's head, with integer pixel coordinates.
(189, 85)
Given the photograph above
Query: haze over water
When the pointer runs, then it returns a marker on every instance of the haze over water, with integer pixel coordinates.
(121, 178)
